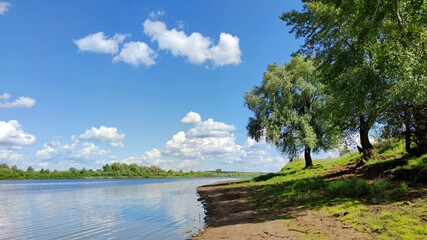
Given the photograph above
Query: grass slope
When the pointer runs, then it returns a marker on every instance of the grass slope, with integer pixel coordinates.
(385, 198)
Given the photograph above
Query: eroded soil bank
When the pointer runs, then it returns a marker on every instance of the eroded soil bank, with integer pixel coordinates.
(230, 215)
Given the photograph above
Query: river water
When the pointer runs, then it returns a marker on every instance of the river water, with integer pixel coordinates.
(101, 208)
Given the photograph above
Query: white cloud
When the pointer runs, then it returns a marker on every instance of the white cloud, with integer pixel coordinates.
(153, 154)
(8, 154)
(12, 135)
(198, 49)
(188, 164)
(43, 164)
(227, 51)
(4, 7)
(152, 157)
(5, 96)
(20, 102)
(211, 128)
(195, 47)
(211, 141)
(191, 118)
(104, 134)
(99, 43)
(156, 14)
(259, 153)
(136, 53)
(74, 151)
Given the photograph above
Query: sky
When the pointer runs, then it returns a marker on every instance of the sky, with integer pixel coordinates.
(87, 83)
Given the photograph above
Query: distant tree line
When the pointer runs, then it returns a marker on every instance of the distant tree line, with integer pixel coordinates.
(115, 170)
(363, 63)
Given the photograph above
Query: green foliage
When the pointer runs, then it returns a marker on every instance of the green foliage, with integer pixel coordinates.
(403, 188)
(399, 220)
(415, 171)
(287, 108)
(390, 146)
(115, 170)
(331, 31)
(371, 56)
(356, 187)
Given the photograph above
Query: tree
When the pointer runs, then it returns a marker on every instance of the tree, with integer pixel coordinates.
(4, 166)
(30, 169)
(400, 54)
(372, 56)
(336, 35)
(287, 108)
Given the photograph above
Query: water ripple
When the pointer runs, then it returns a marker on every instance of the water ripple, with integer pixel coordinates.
(100, 209)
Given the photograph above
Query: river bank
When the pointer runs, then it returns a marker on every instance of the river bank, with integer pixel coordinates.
(385, 198)
(231, 216)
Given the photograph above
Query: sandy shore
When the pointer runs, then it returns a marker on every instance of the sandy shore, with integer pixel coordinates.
(231, 216)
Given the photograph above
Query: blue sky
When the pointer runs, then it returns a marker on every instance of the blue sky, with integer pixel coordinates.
(85, 83)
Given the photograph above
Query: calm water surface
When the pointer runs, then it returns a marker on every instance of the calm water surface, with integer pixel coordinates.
(101, 208)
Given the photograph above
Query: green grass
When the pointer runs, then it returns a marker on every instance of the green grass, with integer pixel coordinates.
(390, 201)
(399, 220)
(390, 146)
(295, 170)
(356, 187)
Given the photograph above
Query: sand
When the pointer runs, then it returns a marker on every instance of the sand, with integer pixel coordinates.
(231, 216)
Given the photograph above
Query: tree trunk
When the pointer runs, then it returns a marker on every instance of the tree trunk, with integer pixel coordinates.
(368, 149)
(408, 132)
(307, 157)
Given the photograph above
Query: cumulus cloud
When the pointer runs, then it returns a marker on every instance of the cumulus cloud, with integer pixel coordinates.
(136, 53)
(227, 51)
(8, 154)
(99, 43)
(213, 141)
(195, 47)
(188, 163)
(5, 96)
(206, 143)
(211, 128)
(4, 7)
(74, 151)
(20, 102)
(104, 134)
(191, 118)
(12, 135)
(150, 158)
(198, 49)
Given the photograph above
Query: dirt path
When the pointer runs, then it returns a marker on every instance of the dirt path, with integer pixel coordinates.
(231, 216)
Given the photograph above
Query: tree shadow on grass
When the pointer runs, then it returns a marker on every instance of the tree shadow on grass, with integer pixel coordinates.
(385, 169)
(253, 202)
(240, 204)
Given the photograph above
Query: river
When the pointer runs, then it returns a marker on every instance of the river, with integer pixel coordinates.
(101, 208)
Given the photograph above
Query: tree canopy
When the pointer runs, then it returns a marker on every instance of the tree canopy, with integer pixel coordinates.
(371, 56)
(287, 108)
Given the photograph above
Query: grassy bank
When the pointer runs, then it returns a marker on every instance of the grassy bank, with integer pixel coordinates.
(385, 198)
